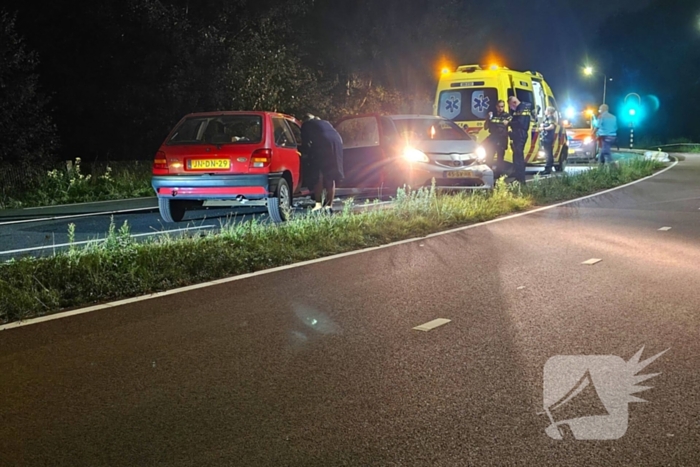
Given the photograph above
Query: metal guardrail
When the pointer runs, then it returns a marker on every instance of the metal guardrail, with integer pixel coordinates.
(672, 145)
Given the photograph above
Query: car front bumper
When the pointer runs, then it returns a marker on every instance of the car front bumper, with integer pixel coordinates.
(582, 152)
(477, 175)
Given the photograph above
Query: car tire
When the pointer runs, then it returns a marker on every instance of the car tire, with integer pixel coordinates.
(563, 157)
(280, 203)
(171, 210)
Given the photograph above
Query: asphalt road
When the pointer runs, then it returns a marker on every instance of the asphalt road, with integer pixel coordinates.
(40, 233)
(319, 365)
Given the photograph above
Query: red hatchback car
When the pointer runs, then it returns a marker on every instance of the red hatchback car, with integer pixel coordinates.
(228, 159)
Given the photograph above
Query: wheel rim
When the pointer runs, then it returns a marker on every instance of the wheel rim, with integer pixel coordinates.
(285, 198)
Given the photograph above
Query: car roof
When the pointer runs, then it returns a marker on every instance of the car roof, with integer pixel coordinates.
(414, 117)
(238, 112)
(392, 116)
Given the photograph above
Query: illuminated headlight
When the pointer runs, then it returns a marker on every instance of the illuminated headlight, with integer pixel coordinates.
(414, 155)
(481, 154)
(587, 140)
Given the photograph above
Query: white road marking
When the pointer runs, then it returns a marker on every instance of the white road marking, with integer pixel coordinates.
(91, 202)
(312, 261)
(432, 324)
(75, 216)
(592, 261)
(664, 229)
(98, 240)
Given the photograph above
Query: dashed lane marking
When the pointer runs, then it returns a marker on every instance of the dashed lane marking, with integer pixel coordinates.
(432, 324)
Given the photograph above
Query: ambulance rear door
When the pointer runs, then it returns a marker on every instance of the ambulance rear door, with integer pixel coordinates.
(468, 102)
(522, 88)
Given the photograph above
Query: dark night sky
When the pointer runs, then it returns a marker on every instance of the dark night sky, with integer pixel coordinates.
(556, 37)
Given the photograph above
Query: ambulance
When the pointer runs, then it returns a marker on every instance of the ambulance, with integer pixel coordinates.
(467, 95)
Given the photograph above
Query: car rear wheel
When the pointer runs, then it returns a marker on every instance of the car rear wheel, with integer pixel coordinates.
(279, 204)
(171, 210)
(563, 156)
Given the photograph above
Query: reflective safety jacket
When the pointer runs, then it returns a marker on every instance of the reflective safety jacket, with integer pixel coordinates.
(549, 136)
(520, 124)
(498, 124)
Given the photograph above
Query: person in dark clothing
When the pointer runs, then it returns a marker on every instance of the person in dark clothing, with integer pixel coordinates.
(520, 130)
(497, 141)
(322, 147)
(548, 129)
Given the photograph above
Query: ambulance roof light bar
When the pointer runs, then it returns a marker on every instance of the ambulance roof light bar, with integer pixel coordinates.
(473, 68)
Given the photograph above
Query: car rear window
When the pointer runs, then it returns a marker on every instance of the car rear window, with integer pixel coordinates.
(429, 129)
(223, 129)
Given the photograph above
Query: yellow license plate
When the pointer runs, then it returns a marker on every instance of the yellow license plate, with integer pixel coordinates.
(459, 174)
(209, 164)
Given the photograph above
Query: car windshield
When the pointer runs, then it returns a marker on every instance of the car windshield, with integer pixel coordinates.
(425, 129)
(223, 129)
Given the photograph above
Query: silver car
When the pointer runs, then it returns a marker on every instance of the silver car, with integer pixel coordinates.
(388, 151)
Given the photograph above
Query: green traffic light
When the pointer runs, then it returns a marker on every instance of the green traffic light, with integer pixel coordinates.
(633, 112)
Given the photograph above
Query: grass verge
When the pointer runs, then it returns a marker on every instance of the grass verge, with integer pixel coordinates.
(120, 267)
(70, 185)
(685, 148)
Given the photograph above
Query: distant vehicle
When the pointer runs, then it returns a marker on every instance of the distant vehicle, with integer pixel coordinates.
(389, 151)
(579, 131)
(228, 159)
(467, 95)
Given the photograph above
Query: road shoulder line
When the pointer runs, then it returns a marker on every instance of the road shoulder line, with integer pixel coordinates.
(66, 314)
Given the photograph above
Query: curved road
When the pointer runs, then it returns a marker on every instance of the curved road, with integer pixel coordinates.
(319, 365)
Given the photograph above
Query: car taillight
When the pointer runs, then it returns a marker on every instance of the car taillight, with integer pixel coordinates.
(160, 164)
(261, 158)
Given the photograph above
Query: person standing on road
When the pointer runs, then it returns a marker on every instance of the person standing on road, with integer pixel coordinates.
(605, 128)
(549, 129)
(520, 130)
(497, 141)
(322, 145)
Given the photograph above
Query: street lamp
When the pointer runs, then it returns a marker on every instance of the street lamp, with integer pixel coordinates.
(589, 71)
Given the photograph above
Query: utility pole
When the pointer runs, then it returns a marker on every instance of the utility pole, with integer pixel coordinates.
(605, 87)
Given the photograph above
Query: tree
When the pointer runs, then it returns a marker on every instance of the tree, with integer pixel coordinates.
(125, 71)
(382, 56)
(27, 134)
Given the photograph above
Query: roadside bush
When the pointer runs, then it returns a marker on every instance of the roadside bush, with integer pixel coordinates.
(70, 185)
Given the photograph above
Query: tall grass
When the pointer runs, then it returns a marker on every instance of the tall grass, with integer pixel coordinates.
(120, 267)
(684, 145)
(70, 185)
